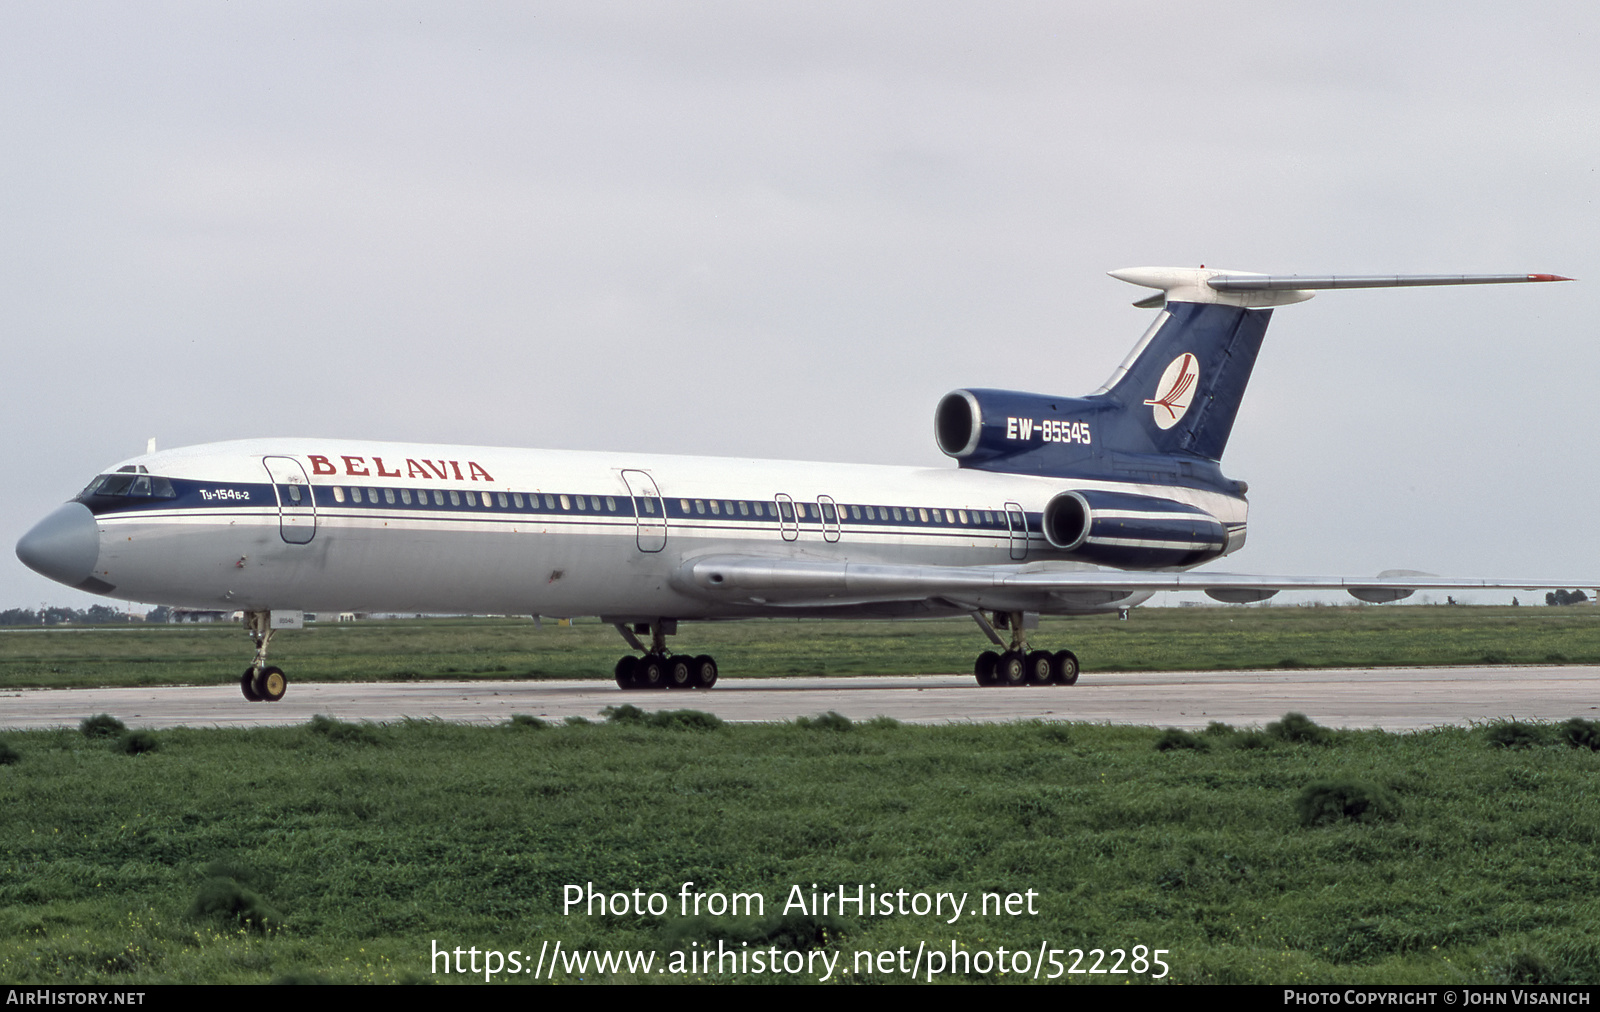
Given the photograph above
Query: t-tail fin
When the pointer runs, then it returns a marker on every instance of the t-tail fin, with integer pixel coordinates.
(1180, 388)
(1167, 412)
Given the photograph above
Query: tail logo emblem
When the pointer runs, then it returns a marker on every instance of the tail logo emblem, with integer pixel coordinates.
(1175, 391)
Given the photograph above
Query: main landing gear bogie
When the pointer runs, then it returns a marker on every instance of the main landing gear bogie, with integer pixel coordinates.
(659, 671)
(1019, 665)
(1034, 667)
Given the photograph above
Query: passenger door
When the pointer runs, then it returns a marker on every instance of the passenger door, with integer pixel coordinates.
(297, 511)
(1017, 524)
(648, 510)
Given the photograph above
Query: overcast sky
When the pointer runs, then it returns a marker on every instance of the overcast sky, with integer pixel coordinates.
(787, 229)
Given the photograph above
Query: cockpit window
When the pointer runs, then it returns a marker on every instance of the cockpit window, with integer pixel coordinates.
(110, 484)
(143, 486)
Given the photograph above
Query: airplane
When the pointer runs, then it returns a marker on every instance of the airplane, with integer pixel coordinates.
(1058, 506)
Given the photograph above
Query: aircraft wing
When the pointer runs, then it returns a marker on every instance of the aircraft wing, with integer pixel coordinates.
(780, 582)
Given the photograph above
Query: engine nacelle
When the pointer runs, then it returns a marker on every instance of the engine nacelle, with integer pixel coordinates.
(1132, 531)
(978, 426)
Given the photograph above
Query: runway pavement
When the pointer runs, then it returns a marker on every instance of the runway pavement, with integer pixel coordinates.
(1394, 699)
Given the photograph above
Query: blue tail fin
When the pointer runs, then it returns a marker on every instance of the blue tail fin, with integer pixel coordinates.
(1166, 413)
(1180, 390)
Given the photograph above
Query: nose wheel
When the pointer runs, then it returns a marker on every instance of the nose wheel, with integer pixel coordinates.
(261, 683)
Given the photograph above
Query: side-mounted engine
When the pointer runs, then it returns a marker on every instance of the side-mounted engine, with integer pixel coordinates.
(1132, 531)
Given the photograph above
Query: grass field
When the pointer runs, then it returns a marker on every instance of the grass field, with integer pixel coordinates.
(1151, 640)
(335, 852)
(344, 852)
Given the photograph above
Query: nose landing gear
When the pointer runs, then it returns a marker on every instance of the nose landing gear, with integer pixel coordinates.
(260, 683)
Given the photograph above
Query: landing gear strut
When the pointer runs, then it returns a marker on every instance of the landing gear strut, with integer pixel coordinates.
(657, 669)
(1018, 665)
(260, 683)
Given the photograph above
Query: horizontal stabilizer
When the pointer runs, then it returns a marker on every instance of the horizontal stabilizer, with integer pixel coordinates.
(1260, 291)
(1311, 282)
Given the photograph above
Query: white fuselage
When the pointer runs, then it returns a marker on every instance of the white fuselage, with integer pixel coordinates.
(394, 527)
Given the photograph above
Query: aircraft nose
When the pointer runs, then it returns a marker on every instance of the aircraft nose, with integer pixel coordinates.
(64, 545)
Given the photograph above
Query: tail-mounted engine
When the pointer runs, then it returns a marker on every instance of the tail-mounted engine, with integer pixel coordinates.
(978, 427)
(1132, 531)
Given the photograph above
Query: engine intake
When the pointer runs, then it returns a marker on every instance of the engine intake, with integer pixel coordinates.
(958, 423)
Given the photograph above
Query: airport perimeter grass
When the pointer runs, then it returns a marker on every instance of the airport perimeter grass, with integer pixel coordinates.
(342, 852)
(1152, 639)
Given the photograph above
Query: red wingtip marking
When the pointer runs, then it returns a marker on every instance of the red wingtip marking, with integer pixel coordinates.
(1547, 277)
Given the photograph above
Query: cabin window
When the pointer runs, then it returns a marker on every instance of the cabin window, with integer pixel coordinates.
(924, 514)
(388, 496)
(581, 504)
(566, 503)
(897, 513)
(338, 493)
(455, 498)
(800, 508)
(700, 506)
(963, 515)
(757, 507)
(716, 508)
(611, 504)
(516, 499)
(405, 496)
(744, 508)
